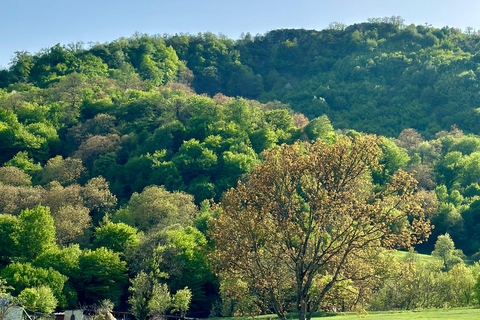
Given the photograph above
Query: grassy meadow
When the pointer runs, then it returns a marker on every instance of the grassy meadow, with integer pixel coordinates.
(402, 256)
(445, 314)
(454, 313)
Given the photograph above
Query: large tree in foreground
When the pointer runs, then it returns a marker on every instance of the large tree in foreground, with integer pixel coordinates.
(308, 219)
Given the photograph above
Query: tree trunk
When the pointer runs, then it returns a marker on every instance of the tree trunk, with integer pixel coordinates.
(302, 310)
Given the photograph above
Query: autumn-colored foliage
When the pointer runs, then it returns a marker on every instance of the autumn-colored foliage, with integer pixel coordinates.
(308, 219)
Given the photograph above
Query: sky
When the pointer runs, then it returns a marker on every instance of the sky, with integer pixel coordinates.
(31, 25)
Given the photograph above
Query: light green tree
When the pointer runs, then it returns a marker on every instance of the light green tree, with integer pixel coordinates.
(116, 236)
(181, 301)
(8, 226)
(319, 128)
(35, 233)
(39, 299)
(23, 275)
(101, 275)
(445, 249)
(149, 297)
(22, 161)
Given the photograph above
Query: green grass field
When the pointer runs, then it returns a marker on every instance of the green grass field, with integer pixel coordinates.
(402, 255)
(446, 314)
(460, 313)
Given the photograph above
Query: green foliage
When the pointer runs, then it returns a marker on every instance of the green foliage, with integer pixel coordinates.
(122, 119)
(24, 163)
(148, 296)
(445, 249)
(23, 275)
(157, 208)
(65, 261)
(35, 233)
(39, 299)
(189, 266)
(7, 301)
(181, 301)
(263, 139)
(117, 237)
(425, 285)
(101, 275)
(319, 128)
(8, 229)
(393, 158)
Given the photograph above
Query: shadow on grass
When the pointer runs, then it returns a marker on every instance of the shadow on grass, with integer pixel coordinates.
(314, 315)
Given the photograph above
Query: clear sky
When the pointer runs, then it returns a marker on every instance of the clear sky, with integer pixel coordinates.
(32, 24)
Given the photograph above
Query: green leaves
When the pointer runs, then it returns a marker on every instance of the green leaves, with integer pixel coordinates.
(36, 233)
(102, 275)
(117, 237)
(39, 299)
(149, 297)
(23, 275)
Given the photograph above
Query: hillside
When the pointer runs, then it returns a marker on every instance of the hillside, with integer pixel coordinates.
(376, 77)
(114, 158)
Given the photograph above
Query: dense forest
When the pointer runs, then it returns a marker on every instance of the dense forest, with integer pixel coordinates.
(114, 160)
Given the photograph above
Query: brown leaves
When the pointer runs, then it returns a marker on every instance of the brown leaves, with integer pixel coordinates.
(310, 210)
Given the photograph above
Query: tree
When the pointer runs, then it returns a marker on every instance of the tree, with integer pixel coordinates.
(35, 233)
(98, 198)
(14, 177)
(185, 260)
(23, 275)
(69, 89)
(95, 146)
(320, 127)
(409, 139)
(15, 199)
(156, 207)
(127, 78)
(65, 261)
(101, 275)
(39, 299)
(23, 162)
(116, 236)
(149, 297)
(392, 159)
(65, 171)
(308, 218)
(8, 226)
(445, 249)
(71, 223)
(22, 63)
(181, 301)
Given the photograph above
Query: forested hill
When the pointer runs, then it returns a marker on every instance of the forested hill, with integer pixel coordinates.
(114, 159)
(376, 77)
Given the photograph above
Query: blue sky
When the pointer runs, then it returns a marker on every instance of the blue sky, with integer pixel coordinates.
(31, 24)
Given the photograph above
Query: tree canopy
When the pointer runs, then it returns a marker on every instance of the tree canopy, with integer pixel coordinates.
(308, 219)
(114, 159)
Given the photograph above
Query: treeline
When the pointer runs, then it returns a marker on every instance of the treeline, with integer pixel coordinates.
(126, 193)
(110, 161)
(379, 77)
